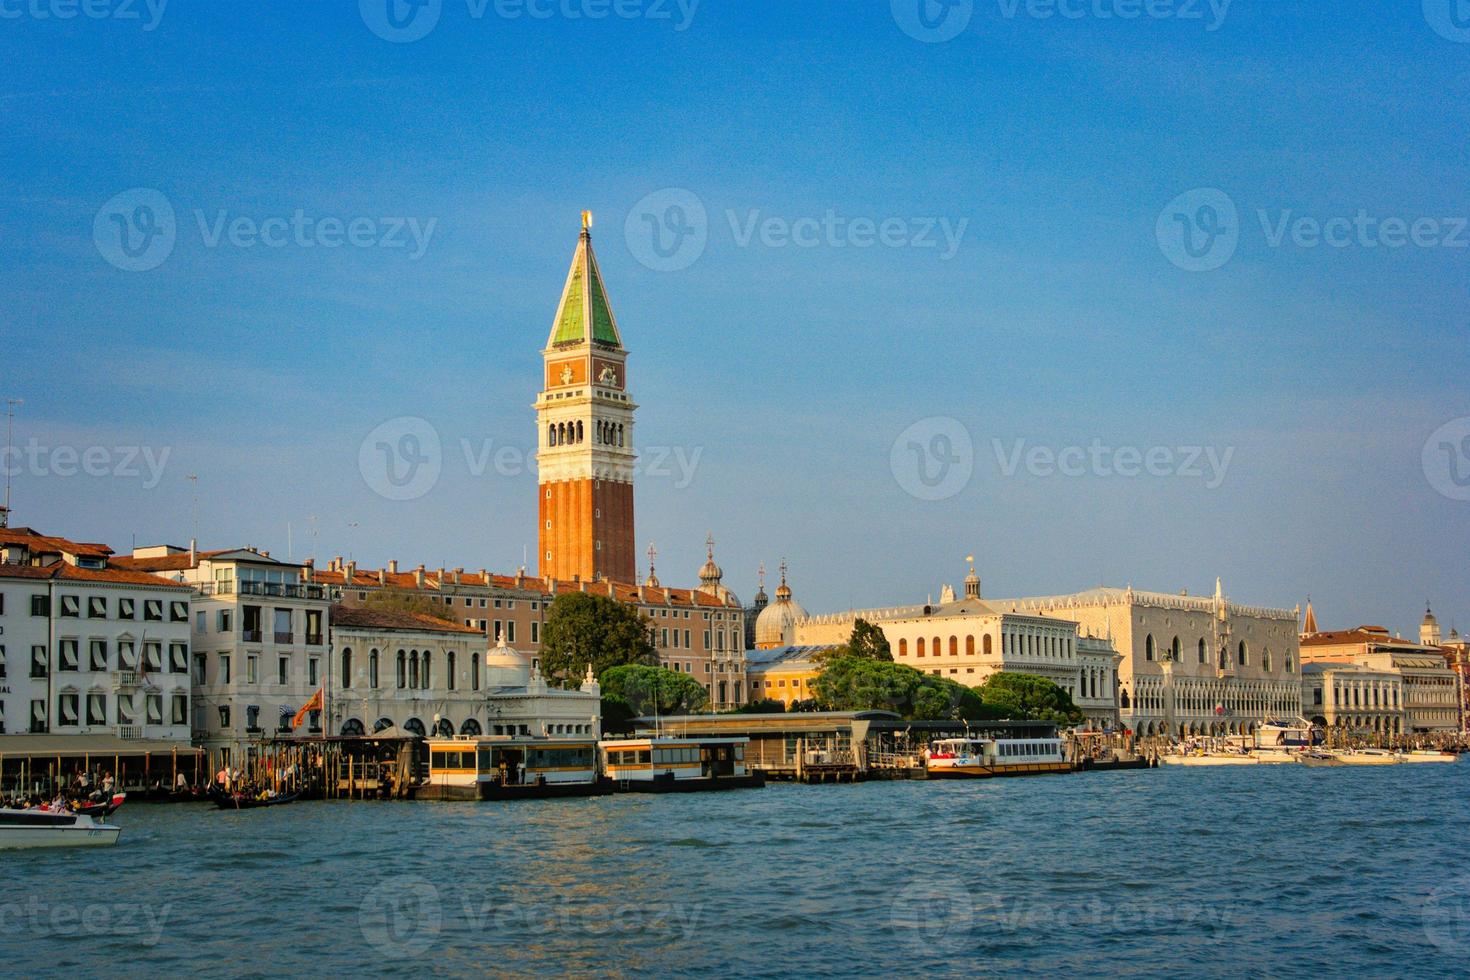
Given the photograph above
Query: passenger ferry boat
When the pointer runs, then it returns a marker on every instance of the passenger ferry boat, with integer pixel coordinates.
(980, 758)
(26, 829)
(507, 767)
(666, 764)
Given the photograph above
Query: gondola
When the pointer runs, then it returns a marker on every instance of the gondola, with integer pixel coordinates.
(98, 811)
(227, 801)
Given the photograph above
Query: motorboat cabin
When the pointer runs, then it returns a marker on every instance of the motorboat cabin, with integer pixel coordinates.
(665, 764)
(499, 767)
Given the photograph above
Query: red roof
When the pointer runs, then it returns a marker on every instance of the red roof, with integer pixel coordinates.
(70, 573)
(374, 579)
(34, 540)
(395, 620)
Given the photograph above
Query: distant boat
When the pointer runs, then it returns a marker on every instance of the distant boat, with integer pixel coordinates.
(236, 801)
(983, 758)
(1429, 755)
(26, 829)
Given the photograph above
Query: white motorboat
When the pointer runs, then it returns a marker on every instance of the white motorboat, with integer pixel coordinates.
(24, 829)
(1369, 757)
(1203, 758)
(1428, 755)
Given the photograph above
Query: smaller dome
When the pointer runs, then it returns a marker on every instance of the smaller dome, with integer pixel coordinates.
(1429, 619)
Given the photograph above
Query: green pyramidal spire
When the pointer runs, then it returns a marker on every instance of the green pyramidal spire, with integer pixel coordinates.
(584, 304)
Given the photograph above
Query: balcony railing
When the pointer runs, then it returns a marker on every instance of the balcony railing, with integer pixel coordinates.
(284, 637)
(130, 732)
(272, 590)
(127, 678)
(250, 636)
(313, 639)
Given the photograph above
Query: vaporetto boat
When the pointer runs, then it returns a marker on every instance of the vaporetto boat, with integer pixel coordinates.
(983, 758)
(26, 829)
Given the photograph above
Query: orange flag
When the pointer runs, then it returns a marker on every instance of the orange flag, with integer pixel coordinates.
(315, 704)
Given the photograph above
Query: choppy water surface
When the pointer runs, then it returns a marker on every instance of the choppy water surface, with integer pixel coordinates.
(1273, 870)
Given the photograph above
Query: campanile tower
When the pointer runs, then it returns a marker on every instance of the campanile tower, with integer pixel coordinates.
(584, 417)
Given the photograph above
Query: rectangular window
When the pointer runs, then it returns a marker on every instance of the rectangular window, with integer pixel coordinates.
(535, 631)
(125, 711)
(252, 670)
(96, 607)
(313, 668)
(2, 663)
(178, 611)
(68, 659)
(224, 669)
(282, 626)
(127, 609)
(155, 709)
(686, 640)
(71, 606)
(200, 621)
(96, 709)
(510, 631)
(314, 627)
(497, 629)
(71, 708)
(127, 658)
(152, 657)
(199, 670)
(180, 715)
(283, 670)
(222, 621)
(153, 610)
(250, 623)
(97, 655)
(40, 605)
(178, 658)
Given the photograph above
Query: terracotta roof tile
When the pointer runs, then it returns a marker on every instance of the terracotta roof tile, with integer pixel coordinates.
(394, 620)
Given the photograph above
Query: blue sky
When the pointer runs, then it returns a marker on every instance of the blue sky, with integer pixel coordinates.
(1059, 150)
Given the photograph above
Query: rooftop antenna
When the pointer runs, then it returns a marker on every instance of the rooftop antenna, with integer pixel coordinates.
(193, 479)
(351, 527)
(10, 404)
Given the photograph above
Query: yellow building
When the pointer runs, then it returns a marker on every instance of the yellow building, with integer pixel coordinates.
(784, 674)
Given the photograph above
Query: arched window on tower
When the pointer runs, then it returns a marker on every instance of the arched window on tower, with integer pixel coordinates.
(402, 669)
(373, 669)
(579, 431)
(346, 667)
(1241, 654)
(1148, 647)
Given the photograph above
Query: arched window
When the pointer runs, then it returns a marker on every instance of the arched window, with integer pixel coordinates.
(402, 669)
(1148, 647)
(579, 430)
(551, 435)
(954, 647)
(1265, 658)
(415, 726)
(426, 675)
(444, 728)
(373, 670)
(347, 668)
(353, 727)
(1176, 650)
(920, 651)
(1286, 663)
(985, 644)
(1123, 700)
(474, 673)
(1242, 658)
(969, 646)
(451, 662)
(382, 724)
(1202, 656)
(936, 649)
(470, 727)
(903, 647)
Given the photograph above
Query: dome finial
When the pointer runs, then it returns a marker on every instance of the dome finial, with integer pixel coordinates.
(652, 581)
(586, 221)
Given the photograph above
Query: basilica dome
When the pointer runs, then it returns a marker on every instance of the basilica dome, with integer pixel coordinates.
(776, 624)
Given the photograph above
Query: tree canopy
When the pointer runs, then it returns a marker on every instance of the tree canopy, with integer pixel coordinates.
(867, 642)
(582, 629)
(1028, 697)
(637, 685)
(863, 684)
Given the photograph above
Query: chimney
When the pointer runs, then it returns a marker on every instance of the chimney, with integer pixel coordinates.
(382, 577)
(265, 554)
(640, 593)
(441, 574)
(457, 573)
(307, 567)
(351, 573)
(393, 566)
(418, 576)
(337, 564)
(193, 551)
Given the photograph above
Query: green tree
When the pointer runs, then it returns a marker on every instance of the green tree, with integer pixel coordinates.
(867, 642)
(764, 706)
(398, 600)
(1029, 697)
(638, 685)
(861, 684)
(617, 716)
(582, 629)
